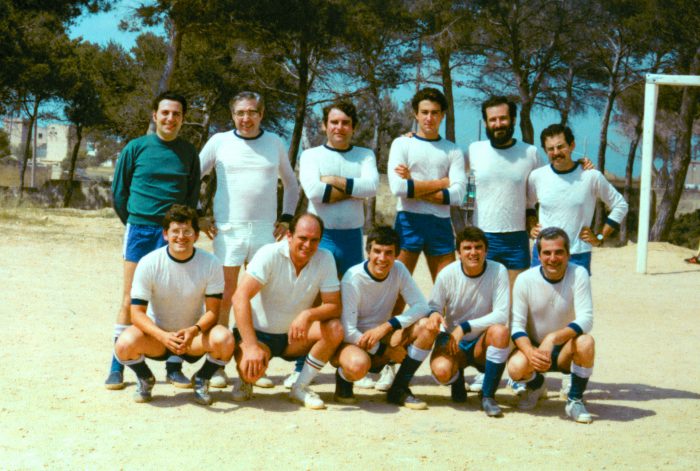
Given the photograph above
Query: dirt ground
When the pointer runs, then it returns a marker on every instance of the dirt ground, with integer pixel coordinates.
(61, 277)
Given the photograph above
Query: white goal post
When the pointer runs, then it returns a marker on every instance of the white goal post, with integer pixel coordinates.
(651, 92)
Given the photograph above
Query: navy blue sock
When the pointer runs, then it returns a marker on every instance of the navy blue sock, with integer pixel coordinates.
(171, 366)
(207, 370)
(116, 366)
(578, 386)
(408, 368)
(492, 376)
(535, 383)
(142, 370)
(299, 364)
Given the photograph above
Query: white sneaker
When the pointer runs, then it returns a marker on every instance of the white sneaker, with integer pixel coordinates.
(241, 391)
(528, 398)
(516, 386)
(265, 383)
(219, 380)
(386, 378)
(303, 395)
(477, 383)
(565, 386)
(291, 379)
(366, 383)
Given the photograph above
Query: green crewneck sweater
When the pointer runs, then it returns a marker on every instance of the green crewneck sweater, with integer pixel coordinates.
(152, 175)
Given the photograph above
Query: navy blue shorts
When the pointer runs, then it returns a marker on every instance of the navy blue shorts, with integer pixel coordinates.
(512, 249)
(277, 343)
(581, 259)
(140, 240)
(345, 245)
(467, 346)
(168, 354)
(425, 233)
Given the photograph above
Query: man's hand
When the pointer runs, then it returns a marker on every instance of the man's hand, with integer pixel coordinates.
(370, 338)
(395, 354)
(434, 321)
(541, 358)
(409, 134)
(208, 226)
(187, 335)
(173, 341)
(587, 235)
(535, 230)
(281, 229)
(586, 163)
(299, 329)
(253, 361)
(453, 342)
(402, 171)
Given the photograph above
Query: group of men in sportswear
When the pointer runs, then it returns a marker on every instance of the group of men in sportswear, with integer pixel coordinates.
(307, 292)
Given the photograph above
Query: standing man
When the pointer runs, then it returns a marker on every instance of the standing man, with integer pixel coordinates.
(373, 337)
(275, 316)
(473, 296)
(248, 162)
(153, 172)
(171, 286)
(567, 196)
(552, 318)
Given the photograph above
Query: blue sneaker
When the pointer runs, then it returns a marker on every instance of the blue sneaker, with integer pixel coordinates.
(144, 386)
(115, 380)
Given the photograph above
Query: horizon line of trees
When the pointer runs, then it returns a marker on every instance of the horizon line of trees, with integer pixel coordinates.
(564, 55)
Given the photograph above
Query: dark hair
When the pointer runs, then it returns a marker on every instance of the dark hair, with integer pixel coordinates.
(295, 220)
(430, 94)
(496, 100)
(472, 234)
(181, 213)
(383, 235)
(168, 95)
(345, 106)
(554, 130)
(247, 96)
(551, 233)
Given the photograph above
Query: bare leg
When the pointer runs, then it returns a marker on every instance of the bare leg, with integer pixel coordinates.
(437, 262)
(230, 284)
(410, 259)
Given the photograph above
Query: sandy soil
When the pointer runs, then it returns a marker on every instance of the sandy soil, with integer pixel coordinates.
(61, 276)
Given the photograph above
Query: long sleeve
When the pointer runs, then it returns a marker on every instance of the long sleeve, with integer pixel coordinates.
(289, 182)
(121, 183)
(348, 318)
(583, 302)
(366, 185)
(310, 178)
(207, 156)
(397, 156)
(500, 302)
(194, 182)
(458, 178)
(520, 308)
(613, 200)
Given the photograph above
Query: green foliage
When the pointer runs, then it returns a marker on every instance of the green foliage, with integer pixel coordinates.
(685, 230)
(5, 150)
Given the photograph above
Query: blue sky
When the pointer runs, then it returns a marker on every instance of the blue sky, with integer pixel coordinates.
(103, 27)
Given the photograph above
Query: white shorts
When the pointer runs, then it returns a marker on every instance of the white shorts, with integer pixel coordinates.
(236, 243)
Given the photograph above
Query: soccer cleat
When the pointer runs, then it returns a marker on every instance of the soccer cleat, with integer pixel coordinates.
(201, 391)
(516, 386)
(404, 397)
(144, 386)
(565, 386)
(219, 379)
(490, 406)
(241, 391)
(115, 380)
(529, 397)
(366, 383)
(177, 379)
(386, 378)
(477, 383)
(265, 383)
(343, 391)
(291, 379)
(577, 411)
(302, 394)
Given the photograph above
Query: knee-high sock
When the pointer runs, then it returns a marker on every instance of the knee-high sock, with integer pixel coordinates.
(535, 381)
(495, 364)
(312, 366)
(579, 380)
(409, 366)
(209, 367)
(299, 364)
(116, 366)
(138, 365)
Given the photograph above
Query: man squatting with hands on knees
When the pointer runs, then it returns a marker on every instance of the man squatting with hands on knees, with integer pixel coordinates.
(171, 286)
(373, 337)
(275, 313)
(473, 296)
(248, 161)
(552, 318)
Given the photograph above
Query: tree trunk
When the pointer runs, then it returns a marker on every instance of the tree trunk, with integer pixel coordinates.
(171, 62)
(300, 105)
(526, 127)
(569, 96)
(73, 159)
(27, 146)
(444, 56)
(627, 192)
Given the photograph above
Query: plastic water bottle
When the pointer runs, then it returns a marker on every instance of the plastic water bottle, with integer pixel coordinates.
(470, 195)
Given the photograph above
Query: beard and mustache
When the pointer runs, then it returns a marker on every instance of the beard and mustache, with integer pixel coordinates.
(503, 138)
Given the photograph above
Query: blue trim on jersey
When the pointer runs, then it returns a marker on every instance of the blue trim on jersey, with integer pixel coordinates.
(575, 327)
(614, 224)
(342, 151)
(439, 138)
(235, 132)
(327, 194)
(139, 302)
(466, 327)
(564, 172)
(508, 146)
(551, 282)
(395, 324)
(445, 197)
(194, 251)
(517, 335)
(410, 190)
(349, 183)
(216, 295)
(475, 276)
(374, 278)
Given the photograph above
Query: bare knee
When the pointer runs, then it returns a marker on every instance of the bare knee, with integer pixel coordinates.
(585, 347)
(221, 341)
(443, 369)
(333, 331)
(519, 367)
(498, 336)
(355, 366)
(125, 347)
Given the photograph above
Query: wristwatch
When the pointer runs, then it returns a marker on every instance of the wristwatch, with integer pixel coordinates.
(600, 238)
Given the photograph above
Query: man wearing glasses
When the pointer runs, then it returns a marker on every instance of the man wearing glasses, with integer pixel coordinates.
(248, 162)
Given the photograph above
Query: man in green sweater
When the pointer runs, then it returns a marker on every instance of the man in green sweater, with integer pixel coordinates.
(153, 172)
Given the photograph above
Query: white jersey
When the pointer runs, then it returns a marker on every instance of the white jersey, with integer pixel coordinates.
(357, 165)
(368, 302)
(284, 294)
(567, 200)
(426, 160)
(541, 307)
(246, 177)
(175, 290)
(501, 184)
(476, 302)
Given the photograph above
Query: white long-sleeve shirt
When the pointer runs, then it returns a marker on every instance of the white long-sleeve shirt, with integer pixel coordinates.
(246, 177)
(501, 184)
(475, 303)
(368, 302)
(541, 307)
(426, 160)
(357, 165)
(567, 200)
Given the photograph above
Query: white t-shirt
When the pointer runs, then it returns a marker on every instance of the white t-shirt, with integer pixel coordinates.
(541, 307)
(426, 160)
(246, 177)
(357, 164)
(368, 302)
(501, 184)
(482, 300)
(284, 294)
(567, 200)
(175, 290)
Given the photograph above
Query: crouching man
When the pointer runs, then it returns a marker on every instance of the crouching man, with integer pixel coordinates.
(373, 337)
(552, 315)
(172, 286)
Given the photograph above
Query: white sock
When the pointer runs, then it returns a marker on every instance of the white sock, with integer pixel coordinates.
(581, 371)
(312, 366)
(497, 355)
(417, 354)
(118, 329)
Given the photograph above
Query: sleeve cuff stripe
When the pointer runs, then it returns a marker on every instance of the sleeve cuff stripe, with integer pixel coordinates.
(410, 191)
(349, 183)
(614, 224)
(327, 193)
(445, 196)
(466, 327)
(575, 327)
(215, 295)
(395, 324)
(517, 335)
(139, 302)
